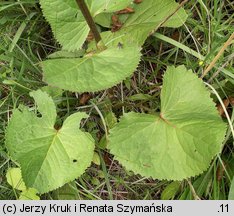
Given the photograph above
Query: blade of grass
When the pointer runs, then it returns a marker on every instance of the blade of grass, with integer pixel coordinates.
(188, 50)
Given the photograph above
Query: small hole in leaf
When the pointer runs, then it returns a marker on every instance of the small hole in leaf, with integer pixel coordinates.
(39, 115)
(74, 161)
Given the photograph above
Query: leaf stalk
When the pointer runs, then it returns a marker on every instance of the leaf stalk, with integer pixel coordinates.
(89, 19)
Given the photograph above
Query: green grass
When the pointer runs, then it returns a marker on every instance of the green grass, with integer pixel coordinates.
(26, 39)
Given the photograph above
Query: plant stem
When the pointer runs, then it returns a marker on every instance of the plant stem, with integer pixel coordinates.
(89, 19)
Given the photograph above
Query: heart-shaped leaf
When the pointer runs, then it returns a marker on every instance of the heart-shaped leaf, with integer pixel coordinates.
(67, 22)
(93, 72)
(48, 157)
(178, 143)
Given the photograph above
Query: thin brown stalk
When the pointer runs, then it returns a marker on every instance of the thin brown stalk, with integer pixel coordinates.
(89, 19)
(212, 64)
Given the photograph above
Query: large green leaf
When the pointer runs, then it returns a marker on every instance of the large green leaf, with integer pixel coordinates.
(67, 22)
(147, 18)
(175, 21)
(178, 143)
(93, 72)
(49, 158)
(106, 6)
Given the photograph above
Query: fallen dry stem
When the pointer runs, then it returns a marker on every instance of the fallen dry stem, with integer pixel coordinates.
(212, 64)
